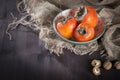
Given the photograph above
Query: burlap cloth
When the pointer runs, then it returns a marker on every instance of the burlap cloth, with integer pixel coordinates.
(42, 12)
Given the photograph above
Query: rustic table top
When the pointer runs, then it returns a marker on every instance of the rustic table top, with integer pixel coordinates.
(23, 58)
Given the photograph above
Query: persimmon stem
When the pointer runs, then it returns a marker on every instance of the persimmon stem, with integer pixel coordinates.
(81, 31)
(80, 12)
(63, 20)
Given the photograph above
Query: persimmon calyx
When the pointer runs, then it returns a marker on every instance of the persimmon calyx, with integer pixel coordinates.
(80, 13)
(82, 31)
(65, 19)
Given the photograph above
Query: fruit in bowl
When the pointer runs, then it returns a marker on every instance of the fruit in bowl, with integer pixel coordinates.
(79, 25)
(67, 27)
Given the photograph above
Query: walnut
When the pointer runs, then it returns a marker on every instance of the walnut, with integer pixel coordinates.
(117, 65)
(107, 65)
(96, 63)
(96, 71)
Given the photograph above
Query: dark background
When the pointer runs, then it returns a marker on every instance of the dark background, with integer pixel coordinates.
(23, 58)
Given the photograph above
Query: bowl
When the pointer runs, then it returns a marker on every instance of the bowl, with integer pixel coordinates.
(99, 29)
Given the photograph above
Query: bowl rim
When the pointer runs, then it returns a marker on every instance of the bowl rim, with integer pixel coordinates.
(75, 42)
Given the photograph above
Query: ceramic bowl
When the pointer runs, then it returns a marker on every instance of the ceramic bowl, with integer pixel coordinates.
(99, 29)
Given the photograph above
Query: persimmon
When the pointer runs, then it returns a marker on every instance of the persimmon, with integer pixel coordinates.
(91, 17)
(84, 33)
(66, 27)
(80, 24)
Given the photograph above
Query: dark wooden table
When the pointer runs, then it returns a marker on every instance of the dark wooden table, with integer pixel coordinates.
(25, 58)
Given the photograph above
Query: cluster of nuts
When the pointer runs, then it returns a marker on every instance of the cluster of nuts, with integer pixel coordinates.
(107, 65)
(96, 64)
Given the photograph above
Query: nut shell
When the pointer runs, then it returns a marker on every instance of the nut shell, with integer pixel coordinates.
(107, 65)
(96, 63)
(96, 71)
(117, 65)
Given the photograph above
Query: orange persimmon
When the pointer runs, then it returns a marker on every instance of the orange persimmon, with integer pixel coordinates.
(66, 27)
(84, 33)
(91, 17)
